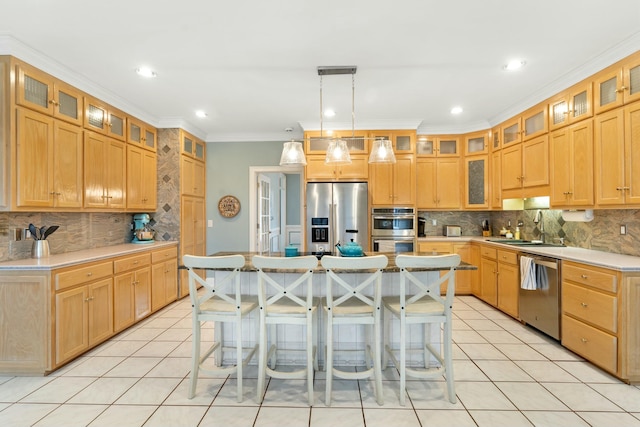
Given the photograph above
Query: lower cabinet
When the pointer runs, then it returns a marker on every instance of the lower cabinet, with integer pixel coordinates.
(508, 282)
(590, 313)
(164, 278)
(132, 290)
(83, 308)
(464, 278)
(499, 279)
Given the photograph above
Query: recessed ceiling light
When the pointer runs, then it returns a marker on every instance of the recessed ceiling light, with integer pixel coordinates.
(514, 65)
(146, 72)
(201, 114)
(329, 113)
(456, 110)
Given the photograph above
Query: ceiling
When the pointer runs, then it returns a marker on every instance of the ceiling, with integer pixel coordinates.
(252, 64)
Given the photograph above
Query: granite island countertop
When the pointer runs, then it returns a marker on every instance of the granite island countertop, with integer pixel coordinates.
(390, 268)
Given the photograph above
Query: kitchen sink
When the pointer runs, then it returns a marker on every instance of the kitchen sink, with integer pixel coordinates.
(514, 242)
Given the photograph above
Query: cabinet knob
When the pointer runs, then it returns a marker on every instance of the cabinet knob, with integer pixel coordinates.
(584, 340)
(584, 276)
(584, 304)
(89, 274)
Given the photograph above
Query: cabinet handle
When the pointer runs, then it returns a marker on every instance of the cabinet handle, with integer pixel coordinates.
(584, 276)
(622, 89)
(584, 340)
(89, 274)
(584, 304)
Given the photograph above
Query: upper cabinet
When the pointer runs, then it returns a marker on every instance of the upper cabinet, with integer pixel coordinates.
(511, 132)
(104, 119)
(41, 92)
(535, 122)
(476, 185)
(526, 167)
(141, 134)
(402, 141)
(476, 143)
(192, 165)
(617, 85)
(317, 142)
(438, 146)
(571, 106)
(495, 136)
(192, 146)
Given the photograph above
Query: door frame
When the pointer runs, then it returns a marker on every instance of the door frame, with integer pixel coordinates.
(254, 171)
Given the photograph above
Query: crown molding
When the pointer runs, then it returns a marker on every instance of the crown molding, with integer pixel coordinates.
(384, 124)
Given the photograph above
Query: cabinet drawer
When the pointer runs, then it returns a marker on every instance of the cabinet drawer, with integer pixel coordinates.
(438, 247)
(488, 252)
(595, 277)
(165, 254)
(508, 257)
(593, 344)
(131, 262)
(591, 306)
(68, 278)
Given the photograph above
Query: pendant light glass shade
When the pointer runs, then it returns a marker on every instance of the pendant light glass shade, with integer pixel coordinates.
(338, 153)
(382, 152)
(292, 154)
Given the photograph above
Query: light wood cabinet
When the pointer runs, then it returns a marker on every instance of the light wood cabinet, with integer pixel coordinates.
(535, 122)
(571, 171)
(617, 148)
(590, 313)
(131, 290)
(318, 170)
(141, 179)
(476, 182)
(141, 134)
(495, 136)
(496, 180)
(439, 183)
(617, 85)
(104, 172)
(43, 93)
(192, 234)
(393, 183)
(49, 162)
(438, 146)
(464, 278)
(104, 119)
(511, 132)
(83, 308)
(402, 141)
(525, 167)
(193, 176)
(476, 143)
(317, 142)
(164, 277)
(571, 105)
(508, 282)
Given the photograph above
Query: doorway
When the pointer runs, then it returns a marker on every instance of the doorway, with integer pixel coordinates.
(282, 225)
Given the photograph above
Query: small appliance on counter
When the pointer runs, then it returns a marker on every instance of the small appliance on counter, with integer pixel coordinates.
(486, 230)
(422, 226)
(452, 230)
(142, 232)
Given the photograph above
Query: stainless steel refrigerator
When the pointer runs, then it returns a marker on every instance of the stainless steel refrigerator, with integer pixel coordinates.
(336, 212)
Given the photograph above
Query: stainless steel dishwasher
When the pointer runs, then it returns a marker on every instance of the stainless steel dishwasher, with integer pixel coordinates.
(540, 307)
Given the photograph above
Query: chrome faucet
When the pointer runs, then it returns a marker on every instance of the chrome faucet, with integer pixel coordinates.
(540, 220)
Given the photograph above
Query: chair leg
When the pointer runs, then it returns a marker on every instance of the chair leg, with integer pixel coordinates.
(262, 358)
(310, 363)
(386, 333)
(195, 357)
(403, 358)
(377, 354)
(239, 361)
(273, 341)
(329, 361)
(218, 336)
(448, 362)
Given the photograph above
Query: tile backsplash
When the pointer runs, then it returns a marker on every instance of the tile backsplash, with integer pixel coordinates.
(602, 233)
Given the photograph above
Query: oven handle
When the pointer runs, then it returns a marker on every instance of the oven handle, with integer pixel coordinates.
(394, 217)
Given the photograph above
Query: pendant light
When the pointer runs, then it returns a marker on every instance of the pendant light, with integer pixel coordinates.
(338, 151)
(292, 154)
(382, 152)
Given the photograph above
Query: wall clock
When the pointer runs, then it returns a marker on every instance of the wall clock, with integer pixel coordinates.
(229, 206)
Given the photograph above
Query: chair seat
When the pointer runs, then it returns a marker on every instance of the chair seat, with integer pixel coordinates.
(288, 307)
(424, 306)
(351, 307)
(247, 304)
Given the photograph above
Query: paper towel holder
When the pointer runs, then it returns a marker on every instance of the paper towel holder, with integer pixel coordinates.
(578, 215)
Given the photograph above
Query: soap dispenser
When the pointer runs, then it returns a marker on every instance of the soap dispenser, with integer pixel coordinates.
(517, 235)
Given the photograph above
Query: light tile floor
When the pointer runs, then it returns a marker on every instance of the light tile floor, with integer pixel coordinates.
(507, 374)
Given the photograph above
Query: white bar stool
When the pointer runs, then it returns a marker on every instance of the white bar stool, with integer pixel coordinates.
(286, 304)
(425, 307)
(214, 305)
(355, 303)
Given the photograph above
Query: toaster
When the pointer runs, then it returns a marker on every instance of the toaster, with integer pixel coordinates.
(452, 230)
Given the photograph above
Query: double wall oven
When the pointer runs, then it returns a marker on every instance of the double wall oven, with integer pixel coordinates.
(393, 229)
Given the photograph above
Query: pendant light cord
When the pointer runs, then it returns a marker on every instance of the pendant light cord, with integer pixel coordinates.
(353, 103)
(320, 106)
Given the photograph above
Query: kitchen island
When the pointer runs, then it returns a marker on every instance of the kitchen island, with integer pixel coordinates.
(348, 337)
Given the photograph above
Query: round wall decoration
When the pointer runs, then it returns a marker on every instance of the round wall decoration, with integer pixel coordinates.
(229, 206)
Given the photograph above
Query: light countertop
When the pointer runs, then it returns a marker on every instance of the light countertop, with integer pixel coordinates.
(79, 257)
(625, 263)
